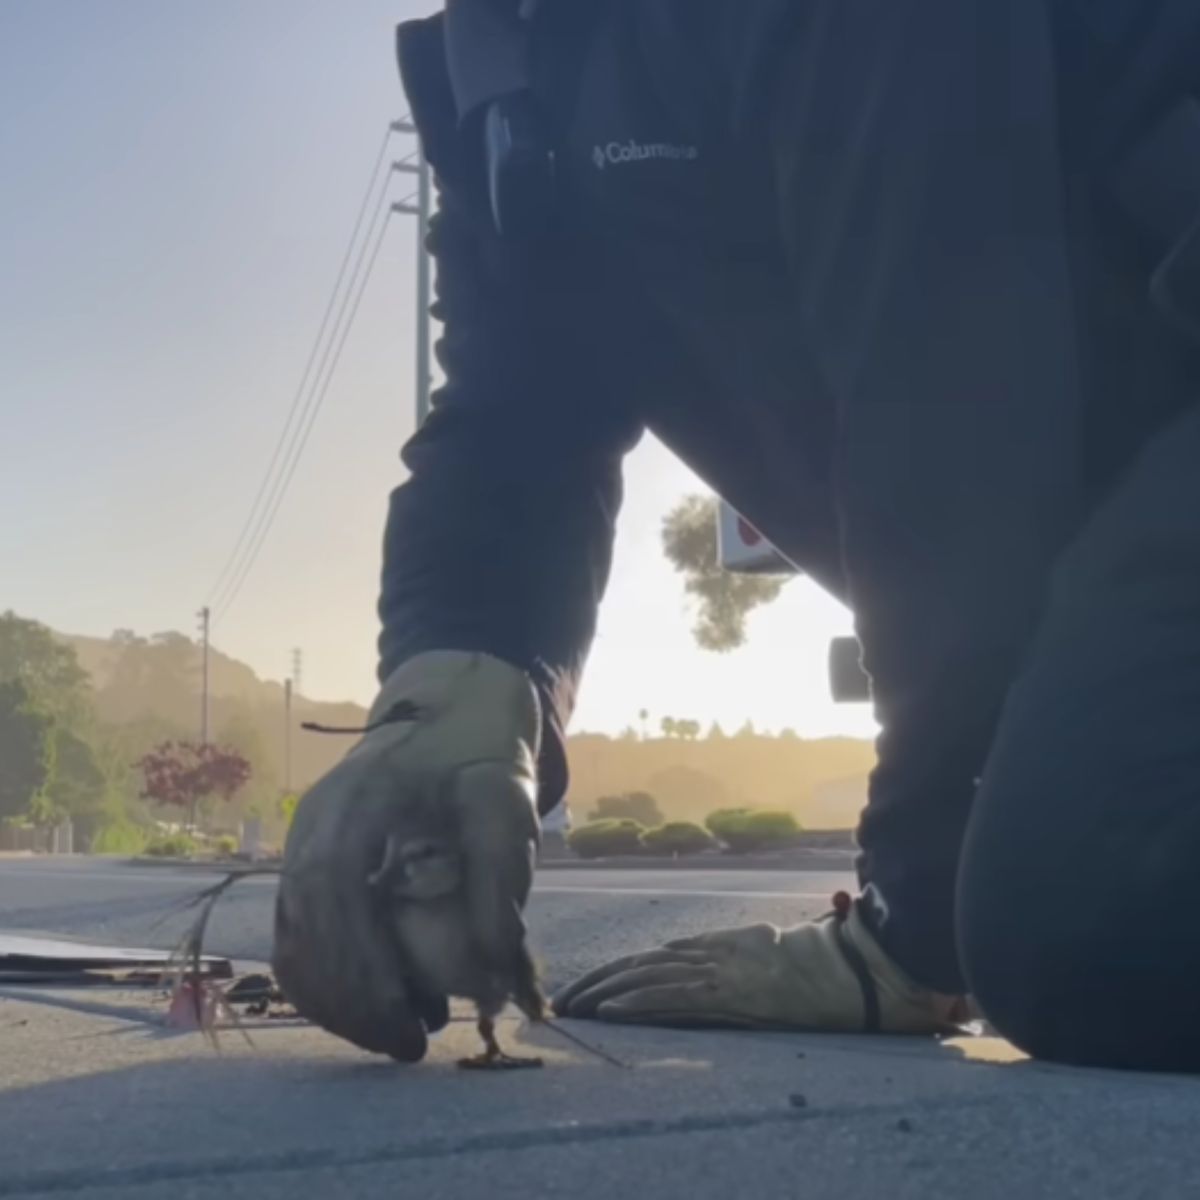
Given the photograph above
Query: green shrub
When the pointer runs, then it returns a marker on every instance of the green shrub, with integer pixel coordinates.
(287, 808)
(226, 846)
(725, 818)
(119, 837)
(677, 837)
(745, 831)
(602, 839)
(173, 845)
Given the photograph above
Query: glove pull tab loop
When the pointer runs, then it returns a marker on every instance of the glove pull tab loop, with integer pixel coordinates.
(843, 905)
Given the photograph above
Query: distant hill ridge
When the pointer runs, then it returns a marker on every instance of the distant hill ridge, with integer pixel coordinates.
(822, 780)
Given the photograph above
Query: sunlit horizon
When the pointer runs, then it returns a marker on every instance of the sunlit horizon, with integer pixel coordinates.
(170, 241)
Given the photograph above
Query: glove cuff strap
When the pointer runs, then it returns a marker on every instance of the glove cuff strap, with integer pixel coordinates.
(843, 905)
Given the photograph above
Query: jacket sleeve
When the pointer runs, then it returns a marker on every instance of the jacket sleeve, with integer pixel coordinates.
(501, 539)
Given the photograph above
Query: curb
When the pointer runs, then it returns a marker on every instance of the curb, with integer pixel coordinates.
(201, 864)
(807, 860)
(815, 858)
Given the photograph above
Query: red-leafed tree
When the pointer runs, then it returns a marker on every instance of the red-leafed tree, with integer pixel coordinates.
(181, 774)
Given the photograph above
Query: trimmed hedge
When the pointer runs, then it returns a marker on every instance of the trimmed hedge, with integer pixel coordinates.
(176, 845)
(602, 839)
(724, 818)
(745, 831)
(677, 837)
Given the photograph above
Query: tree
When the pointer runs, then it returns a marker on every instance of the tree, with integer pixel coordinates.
(181, 774)
(26, 749)
(158, 675)
(241, 732)
(685, 790)
(688, 730)
(77, 786)
(716, 733)
(643, 717)
(48, 668)
(726, 599)
(635, 806)
(669, 727)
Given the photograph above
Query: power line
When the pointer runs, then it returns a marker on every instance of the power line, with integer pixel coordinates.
(299, 434)
(309, 420)
(254, 513)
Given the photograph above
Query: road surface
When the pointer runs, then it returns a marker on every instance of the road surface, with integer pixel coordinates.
(99, 1100)
(578, 918)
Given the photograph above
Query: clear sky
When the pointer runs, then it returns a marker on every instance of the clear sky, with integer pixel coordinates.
(177, 182)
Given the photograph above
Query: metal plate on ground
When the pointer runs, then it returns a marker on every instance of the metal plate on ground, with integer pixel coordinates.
(40, 960)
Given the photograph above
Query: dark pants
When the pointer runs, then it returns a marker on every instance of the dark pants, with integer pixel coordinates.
(1077, 917)
(953, 270)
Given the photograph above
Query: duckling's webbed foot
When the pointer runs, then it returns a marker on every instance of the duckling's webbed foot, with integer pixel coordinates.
(493, 1058)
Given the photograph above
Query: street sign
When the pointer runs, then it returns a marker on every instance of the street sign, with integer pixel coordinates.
(742, 549)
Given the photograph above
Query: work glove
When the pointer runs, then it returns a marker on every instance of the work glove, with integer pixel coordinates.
(434, 809)
(825, 975)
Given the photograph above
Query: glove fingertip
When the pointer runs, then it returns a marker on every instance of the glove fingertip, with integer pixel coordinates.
(618, 1012)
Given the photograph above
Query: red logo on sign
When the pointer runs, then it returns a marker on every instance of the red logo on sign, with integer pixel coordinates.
(749, 535)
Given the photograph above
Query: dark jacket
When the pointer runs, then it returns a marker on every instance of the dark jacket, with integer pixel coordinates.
(907, 344)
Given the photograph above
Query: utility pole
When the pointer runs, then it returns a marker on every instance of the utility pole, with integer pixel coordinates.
(205, 616)
(421, 210)
(287, 737)
(290, 688)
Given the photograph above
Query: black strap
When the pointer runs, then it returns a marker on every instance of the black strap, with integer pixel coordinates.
(402, 712)
(858, 964)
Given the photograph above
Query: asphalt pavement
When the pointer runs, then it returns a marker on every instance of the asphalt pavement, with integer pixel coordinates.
(99, 1100)
(578, 917)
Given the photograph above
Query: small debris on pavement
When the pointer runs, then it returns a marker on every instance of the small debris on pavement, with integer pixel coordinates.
(194, 1005)
(798, 1100)
(260, 995)
(200, 1004)
(904, 1125)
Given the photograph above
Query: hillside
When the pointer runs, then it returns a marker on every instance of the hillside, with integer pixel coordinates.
(154, 684)
(822, 781)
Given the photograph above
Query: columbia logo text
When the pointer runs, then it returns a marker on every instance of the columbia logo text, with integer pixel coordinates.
(616, 154)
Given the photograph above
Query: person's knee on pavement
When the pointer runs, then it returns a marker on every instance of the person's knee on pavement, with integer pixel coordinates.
(1076, 922)
(1074, 982)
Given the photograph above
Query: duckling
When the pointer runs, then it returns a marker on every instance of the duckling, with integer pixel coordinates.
(421, 882)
